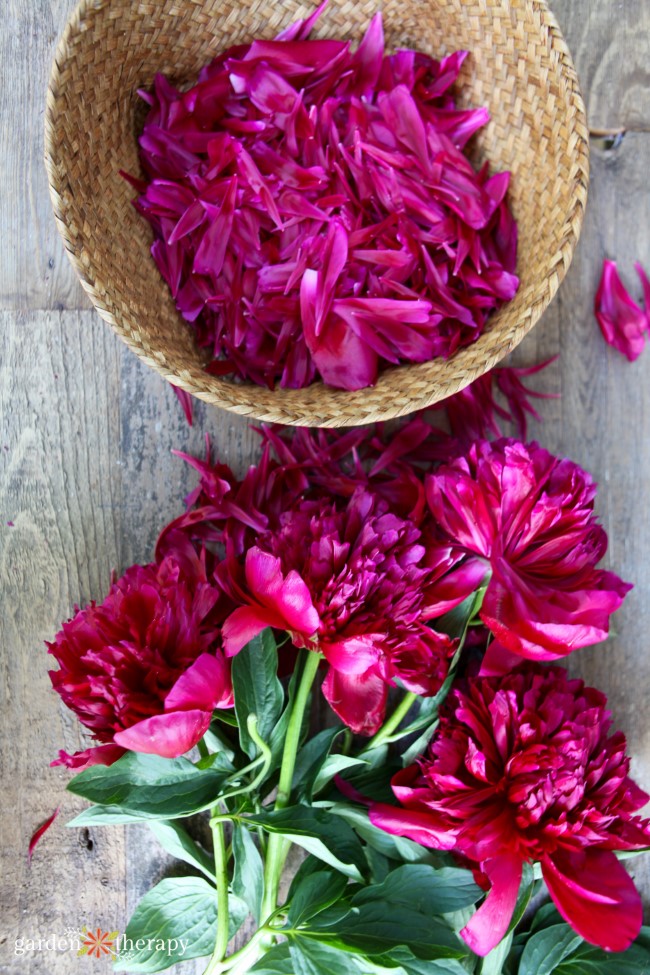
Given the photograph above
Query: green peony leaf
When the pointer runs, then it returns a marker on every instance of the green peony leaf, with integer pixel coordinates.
(423, 889)
(248, 876)
(150, 786)
(313, 894)
(175, 921)
(319, 832)
(176, 840)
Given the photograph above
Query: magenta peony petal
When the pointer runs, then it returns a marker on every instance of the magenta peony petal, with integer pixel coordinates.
(417, 826)
(288, 596)
(101, 755)
(168, 735)
(489, 924)
(244, 624)
(206, 685)
(352, 655)
(358, 699)
(595, 895)
(186, 401)
(498, 661)
(623, 324)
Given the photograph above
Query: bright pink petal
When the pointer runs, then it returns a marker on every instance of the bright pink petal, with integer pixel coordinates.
(498, 660)
(288, 596)
(623, 324)
(595, 895)
(205, 685)
(417, 826)
(40, 831)
(352, 655)
(488, 926)
(168, 735)
(358, 699)
(244, 624)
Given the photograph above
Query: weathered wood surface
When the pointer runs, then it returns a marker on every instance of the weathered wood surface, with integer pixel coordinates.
(87, 478)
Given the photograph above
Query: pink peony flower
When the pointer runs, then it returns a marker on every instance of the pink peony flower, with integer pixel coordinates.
(522, 770)
(527, 518)
(351, 581)
(623, 324)
(144, 670)
(315, 213)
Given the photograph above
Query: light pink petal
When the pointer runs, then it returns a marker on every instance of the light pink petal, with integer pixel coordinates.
(205, 685)
(595, 895)
(168, 735)
(488, 926)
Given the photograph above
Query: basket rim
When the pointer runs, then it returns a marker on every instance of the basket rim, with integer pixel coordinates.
(331, 406)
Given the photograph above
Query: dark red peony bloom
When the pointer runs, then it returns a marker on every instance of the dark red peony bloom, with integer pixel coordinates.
(522, 770)
(351, 580)
(144, 670)
(528, 518)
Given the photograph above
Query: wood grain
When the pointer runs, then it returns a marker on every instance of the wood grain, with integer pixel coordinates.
(87, 478)
(610, 43)
(34, 271)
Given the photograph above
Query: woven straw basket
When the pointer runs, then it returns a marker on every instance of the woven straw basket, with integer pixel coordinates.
(520, 69)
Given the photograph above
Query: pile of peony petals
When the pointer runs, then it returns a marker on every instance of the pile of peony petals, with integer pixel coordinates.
(314, 213)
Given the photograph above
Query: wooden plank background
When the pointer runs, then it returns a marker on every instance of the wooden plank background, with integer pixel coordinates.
(87, 479)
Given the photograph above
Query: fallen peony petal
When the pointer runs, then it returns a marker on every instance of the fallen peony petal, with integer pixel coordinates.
(623, 324)
(187, 403)
(40, 832)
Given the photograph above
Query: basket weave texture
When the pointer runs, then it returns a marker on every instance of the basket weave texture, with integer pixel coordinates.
(520, 68)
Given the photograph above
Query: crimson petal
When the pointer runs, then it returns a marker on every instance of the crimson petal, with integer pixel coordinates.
(595, 895)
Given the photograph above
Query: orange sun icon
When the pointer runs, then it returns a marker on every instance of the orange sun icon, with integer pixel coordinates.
(98, 943)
